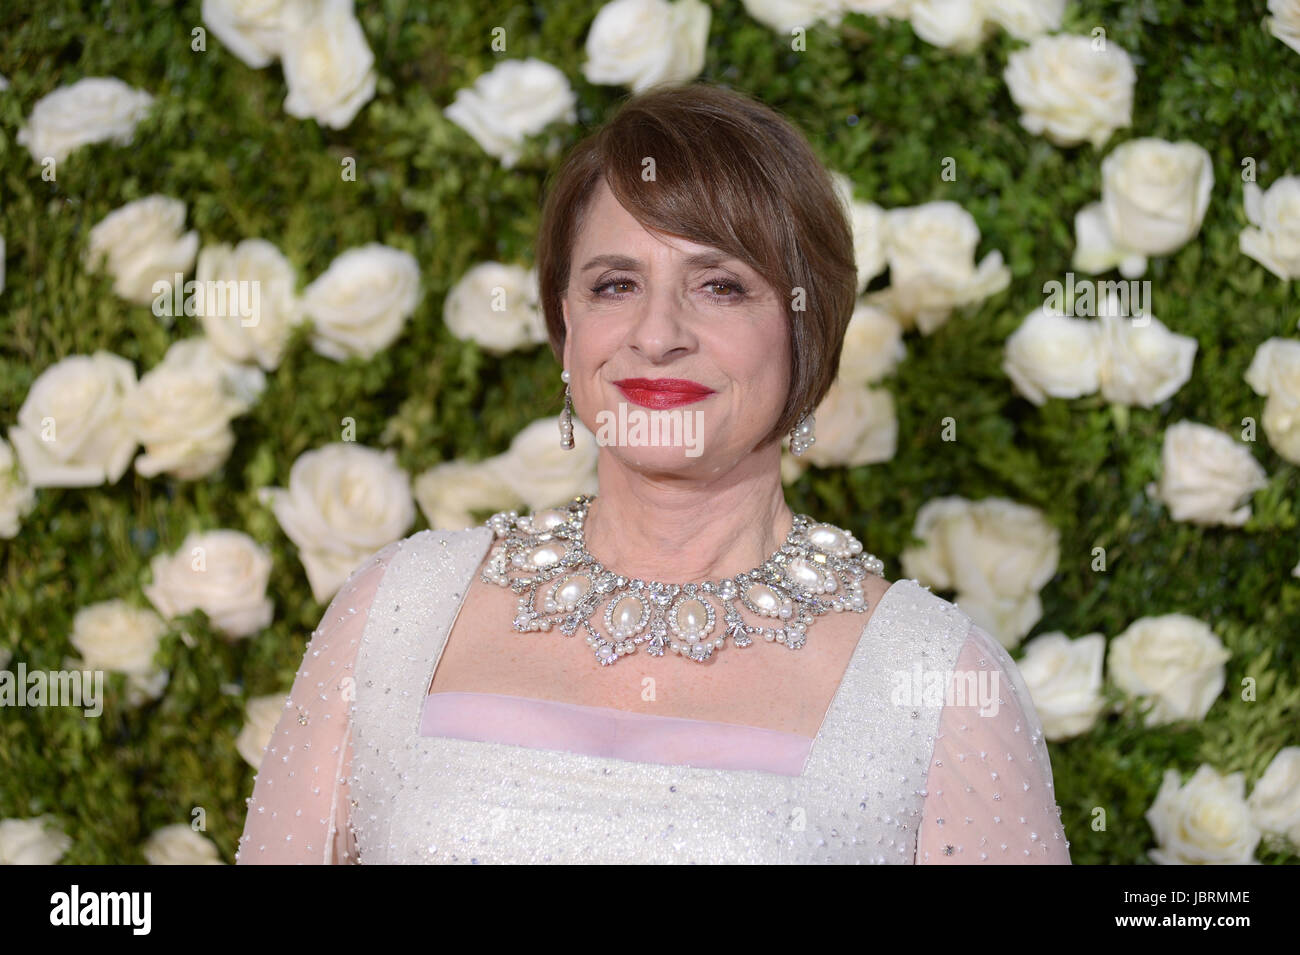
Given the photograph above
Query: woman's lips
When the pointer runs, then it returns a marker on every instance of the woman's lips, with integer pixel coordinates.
(662, 392)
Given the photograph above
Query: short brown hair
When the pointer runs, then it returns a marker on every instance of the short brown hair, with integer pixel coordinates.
(732, 173)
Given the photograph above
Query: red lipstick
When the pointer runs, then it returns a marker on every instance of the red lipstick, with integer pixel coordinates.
(662, 392)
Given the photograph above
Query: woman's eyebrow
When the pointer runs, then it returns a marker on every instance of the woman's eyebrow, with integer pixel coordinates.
(613, 261)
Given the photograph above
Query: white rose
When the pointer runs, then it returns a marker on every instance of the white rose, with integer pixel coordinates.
(328, 65)
(995, 553)
(1071, 92)
(37, 841)
(1175, 660)
(274, 308)
(1274, 373)
(496, 306)
(449, 493)
(639, 43)
(786, 15)
(1025, 19)
(1064, 681)
(17, 496)
(869, 224)
(261, 713)
(253, 29)
(1006, 618)
(224, 573)
(1206, 475)
(1274, 242)
(1053, 355)
(1205, 822)
(1143, 362)
(930, 564)
(1155, 193)
(178, 844)
(1275, 799)
(361, 303)
(541, 473)
(1153, 200)
(96, 109)
(515, 99)
(854, 425)
(957, 25)
(931, 253)
(113, 635)
(182, 408)
(873, 346)
(344, 502)
(142, 244)
(1285, 22)
(1095, 249)
(71, 428)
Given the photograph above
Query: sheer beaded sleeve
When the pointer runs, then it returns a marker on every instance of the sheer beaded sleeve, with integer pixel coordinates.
(298, 813)
(989, 796)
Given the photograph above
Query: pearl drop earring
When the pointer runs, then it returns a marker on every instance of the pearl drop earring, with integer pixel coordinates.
(801, 436)
(566, 416)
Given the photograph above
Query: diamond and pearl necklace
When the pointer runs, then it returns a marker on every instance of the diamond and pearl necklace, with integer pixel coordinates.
(819, 568)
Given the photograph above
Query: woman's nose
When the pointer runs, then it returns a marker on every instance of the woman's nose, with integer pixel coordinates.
(661, 327)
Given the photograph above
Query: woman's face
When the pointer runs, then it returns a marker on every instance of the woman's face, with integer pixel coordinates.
(706, 336)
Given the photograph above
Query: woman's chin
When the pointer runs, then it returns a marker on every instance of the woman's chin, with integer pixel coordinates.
(662, 460)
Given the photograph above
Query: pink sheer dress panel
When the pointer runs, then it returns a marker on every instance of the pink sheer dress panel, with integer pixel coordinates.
(609, 732)
(298, 813)
(989, 794)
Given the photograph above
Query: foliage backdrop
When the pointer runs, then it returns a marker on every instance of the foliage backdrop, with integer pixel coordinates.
(879, 104)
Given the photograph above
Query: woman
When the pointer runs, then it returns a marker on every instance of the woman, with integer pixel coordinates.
(693, 258)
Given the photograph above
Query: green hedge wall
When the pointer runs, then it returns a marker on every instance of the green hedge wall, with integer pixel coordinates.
(220, 139)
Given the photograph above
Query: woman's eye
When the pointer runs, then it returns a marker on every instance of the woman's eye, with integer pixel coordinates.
(735, 290)
(599, 289)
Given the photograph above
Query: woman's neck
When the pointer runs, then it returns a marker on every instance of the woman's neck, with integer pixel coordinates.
(680, 534)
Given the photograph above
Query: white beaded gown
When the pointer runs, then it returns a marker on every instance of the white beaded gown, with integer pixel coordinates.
(365, 767)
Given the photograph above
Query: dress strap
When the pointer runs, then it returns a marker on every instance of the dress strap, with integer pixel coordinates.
(410, 618)
(878, 734)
